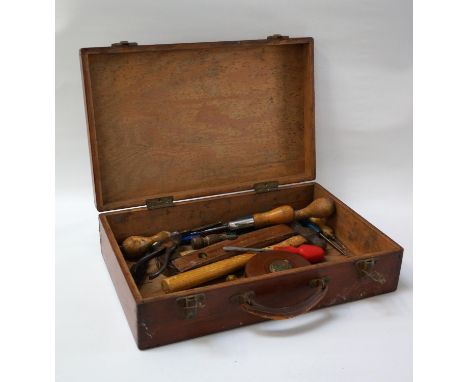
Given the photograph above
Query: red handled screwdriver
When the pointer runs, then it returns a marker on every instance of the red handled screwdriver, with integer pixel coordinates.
(312, 253)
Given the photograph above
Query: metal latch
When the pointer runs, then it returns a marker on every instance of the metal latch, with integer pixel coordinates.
(166, 201)
(366, 268)
(322, 282)
(190, 305)
(265, 187)
(124, 43)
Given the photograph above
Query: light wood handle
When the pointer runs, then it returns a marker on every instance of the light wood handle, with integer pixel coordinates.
(319, 208)
(294, 241)
(136, 246)
(279, 215)
(195, 277)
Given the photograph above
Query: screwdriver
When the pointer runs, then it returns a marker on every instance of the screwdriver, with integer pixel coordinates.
(317, 229)
(312, 253)
(136, 246)
(320, 208)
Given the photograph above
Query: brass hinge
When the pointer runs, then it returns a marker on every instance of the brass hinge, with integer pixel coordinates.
(124, 43)
(190, 305)
(266, 186)
(166, 201)
(277, 37)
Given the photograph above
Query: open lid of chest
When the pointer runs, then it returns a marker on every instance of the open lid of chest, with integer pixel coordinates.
(190, 120)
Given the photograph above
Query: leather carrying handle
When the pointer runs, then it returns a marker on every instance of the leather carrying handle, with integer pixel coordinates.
(248, 303)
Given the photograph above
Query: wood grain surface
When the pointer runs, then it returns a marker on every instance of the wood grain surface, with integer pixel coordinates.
(203, 119)
(160, 320)
(198, 120)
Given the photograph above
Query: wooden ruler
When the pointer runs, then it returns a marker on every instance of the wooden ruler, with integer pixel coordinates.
(258, 238)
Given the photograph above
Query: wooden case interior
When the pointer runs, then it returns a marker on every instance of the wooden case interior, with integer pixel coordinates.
(360, 237)
(189, 120)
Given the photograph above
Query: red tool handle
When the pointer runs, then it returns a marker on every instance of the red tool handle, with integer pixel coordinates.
(312, 253)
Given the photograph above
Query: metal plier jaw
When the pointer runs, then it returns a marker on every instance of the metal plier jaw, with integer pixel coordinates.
(157, 249)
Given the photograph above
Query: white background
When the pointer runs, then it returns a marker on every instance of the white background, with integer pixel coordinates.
(363, 71)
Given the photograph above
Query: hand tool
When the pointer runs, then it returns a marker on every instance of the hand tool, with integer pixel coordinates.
(317, 229)
(188, 235)
(167, 248)
(136, 246)
(199, 242)
(321, 207)
(326, 230)
(311, 253)
(138, 270)
(195, 277)
(273, 261)
(258, 238)
(310, 234)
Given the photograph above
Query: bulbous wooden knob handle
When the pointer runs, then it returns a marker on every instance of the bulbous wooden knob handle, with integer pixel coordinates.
(136, 246)
(319, 208)
(280, 215)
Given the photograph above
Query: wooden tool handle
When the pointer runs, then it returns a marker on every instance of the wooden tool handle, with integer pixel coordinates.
(195, 277)
(319, 208)
(199, 242)
(215, 252)
(136, 246)
(280, 215)
(294, 241)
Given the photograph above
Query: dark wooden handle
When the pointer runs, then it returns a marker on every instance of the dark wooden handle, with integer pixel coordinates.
(251, 306)
(280, 215)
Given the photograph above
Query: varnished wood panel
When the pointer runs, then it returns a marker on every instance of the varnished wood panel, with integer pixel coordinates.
(159, 318)
(126, 289)
(198, 120)
(162, 319)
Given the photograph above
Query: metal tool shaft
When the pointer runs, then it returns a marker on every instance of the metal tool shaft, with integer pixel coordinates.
(317, 229)
(334, 245)
(243, 249)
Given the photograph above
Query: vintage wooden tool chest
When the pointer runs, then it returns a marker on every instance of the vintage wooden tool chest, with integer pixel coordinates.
(182, 135)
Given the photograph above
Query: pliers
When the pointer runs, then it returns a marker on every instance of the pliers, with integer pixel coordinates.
(158, 249)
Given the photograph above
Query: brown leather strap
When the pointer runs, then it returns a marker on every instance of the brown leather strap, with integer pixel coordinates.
(251, 306)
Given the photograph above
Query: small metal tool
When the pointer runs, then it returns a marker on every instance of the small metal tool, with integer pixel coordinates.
(157, 249)
(309, 234)
(317, 229)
